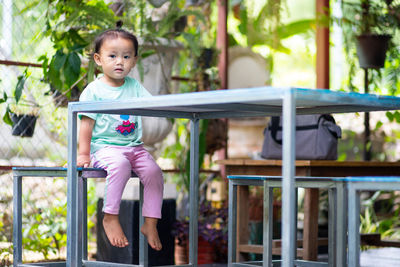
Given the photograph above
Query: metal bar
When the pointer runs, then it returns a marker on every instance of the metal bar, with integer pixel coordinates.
(294, 225)
(354, 223)
(309, 263)
(143, 246)
(74, 229)
(267, 224)
(247, 264)
(84, 219)
(232, 223)
(44, 264)
(239, 114)
(106, 264)
(17, 221)
(288, 173)
(247, 182)
(341, 224)
(31, 172)
(194, 190)
(332, 215)
(151, 112)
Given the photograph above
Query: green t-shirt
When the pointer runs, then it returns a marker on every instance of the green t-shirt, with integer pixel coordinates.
(110, 129)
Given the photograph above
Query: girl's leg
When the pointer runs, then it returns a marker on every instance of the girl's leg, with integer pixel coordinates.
(152, 179)
(118, 169)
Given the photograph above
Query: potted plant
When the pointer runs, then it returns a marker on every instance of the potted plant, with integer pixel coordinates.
(212, 235)
(372, 24)
(21, 114)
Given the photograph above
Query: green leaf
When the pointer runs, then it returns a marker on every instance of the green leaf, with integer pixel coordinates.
(390, 116)
(296, 27)
(20, 86)
(243, 19)
(397, 116)
(378, 125)
(4, 99)
(7, 118)
(58, 60)
(72, 68)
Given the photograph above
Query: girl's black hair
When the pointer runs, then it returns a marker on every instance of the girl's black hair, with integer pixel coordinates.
(113, 34)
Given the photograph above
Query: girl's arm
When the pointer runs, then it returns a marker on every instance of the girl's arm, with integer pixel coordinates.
(85, 136)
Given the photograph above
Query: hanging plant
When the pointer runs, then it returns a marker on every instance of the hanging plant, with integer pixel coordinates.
(19, 113)
(371, 25)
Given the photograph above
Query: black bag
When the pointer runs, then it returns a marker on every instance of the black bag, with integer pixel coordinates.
(316, 138)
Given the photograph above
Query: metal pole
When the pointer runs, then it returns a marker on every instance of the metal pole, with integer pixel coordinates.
(288, 173)
(143, 246)
(232, 223)
(17, 221)
(268, 213)
(194, 190)
(74, 227)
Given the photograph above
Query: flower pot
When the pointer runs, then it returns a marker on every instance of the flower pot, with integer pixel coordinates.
(23, 125)
(205, 252)
(181, 255)
(371, 50)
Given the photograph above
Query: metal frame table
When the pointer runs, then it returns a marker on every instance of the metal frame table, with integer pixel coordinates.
(309, 168)
(82, 175)
(268, 183)
(354, 185)
(262, 101)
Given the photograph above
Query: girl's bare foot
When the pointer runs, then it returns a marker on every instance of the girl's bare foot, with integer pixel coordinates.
(113, 230)
(149, 230)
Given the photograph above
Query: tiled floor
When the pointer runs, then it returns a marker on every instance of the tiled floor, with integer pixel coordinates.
(385, 257)
(380, 257)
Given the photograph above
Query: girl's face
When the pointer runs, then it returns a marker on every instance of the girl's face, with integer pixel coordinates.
(116, 57)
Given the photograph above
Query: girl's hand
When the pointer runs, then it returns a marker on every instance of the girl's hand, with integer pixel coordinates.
(83, 161)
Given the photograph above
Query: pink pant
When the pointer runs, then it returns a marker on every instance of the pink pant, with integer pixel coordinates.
(118, 161)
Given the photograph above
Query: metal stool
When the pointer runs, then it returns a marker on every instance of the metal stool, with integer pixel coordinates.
(354, 186)
(270, 182)
(83, 174)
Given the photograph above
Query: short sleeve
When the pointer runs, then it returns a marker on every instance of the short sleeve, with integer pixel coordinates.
(141, 91)
(87, 95)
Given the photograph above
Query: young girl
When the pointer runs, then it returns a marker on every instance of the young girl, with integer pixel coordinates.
(113, 142)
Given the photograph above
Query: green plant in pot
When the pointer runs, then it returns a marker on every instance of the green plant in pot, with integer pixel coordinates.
(73, 25)
(21, 114)
(372, 23)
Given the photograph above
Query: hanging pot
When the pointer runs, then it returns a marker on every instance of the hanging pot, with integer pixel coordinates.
(371, 50)
(23, 124)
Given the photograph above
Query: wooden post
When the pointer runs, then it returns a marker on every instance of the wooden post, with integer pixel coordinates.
(322, 40)
(222, 46)
(222, 42)
(310, 244)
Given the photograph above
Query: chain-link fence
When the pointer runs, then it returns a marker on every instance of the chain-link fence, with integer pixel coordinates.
(44, 199)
